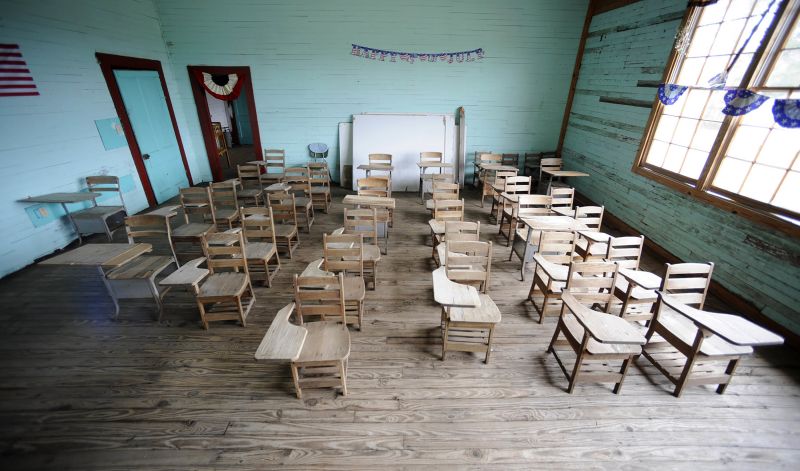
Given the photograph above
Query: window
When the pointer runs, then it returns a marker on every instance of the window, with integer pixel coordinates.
(746, 163)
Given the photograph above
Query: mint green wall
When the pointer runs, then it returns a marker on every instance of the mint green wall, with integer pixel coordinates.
(632, 44)
(306, 81)
(49, 143)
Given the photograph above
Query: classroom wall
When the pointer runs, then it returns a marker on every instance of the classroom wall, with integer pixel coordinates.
(631, 44)
(306, 81)
(50, 142)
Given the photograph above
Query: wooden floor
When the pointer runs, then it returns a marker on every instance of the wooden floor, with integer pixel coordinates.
(82, 391)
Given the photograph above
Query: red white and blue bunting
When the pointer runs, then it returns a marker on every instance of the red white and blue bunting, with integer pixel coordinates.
(410, 57)
(738, 102)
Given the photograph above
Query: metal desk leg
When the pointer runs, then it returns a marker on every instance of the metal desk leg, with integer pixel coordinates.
(110, 290)
(525, 253)
(72, 221)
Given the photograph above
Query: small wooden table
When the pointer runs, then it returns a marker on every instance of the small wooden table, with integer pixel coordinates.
(106, 257)
(543, 223)
(466, 315)
(63, 199)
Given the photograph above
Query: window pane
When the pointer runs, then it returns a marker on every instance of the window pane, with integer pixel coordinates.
(794, 38)
(786, 72)
(695, 102)
(731, 174)
(746, 142)
(781, 148)
(761, 182)
(714, 107)
(737, 72)
(714, 13)
(728, 37)
(714, 65)
(666, 126)
(674, 159)
(705, 136)
(690, 71)
(684, 132)
(739, 9)
(789, 194)
(702, 40)
(694, 163)
(655, 156)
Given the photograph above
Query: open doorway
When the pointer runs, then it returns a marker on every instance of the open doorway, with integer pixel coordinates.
(142, 102)
(226, 110)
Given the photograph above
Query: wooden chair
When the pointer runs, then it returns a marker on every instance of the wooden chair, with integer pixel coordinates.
(510, 160)
(476, 169)
(687, 283)
(284, 214)
(382, 187)
(261, 243)
(300, 186)
(224, 199)
(701, 347)
(430, 157)
(344, 253)
(252, 184)
(551, 269)
(442, 191)
(274, 165)
(187, 238)
(530, 166)
(454, 230)
(225, 295)
(562, 197)
(545, 164)
(308, 347)
(221, 142)
(365, 223)
(322, 361)
(99, 219)
(319, 185)
(625, 251)
(592, 244)
(594, 336)
(511, 185)
(468, 319)
(469, 262)
(380, 159)
(485, 158)
(444, 210)
(511, 226)
(494, 180)
(145, 227)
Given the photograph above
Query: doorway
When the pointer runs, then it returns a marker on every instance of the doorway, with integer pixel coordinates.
(235, 117)
(142, 102)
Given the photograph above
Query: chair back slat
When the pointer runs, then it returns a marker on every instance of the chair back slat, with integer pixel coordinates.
(320, 296)
(688, 282)
(625, 251)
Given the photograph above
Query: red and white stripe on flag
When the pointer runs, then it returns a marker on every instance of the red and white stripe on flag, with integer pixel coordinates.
(15, 78)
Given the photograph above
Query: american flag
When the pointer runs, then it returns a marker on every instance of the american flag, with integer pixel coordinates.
(15, 78)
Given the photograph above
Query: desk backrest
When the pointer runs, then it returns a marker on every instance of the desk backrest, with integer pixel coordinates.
(593, 282)
(557, 246)
(431, 157)
(625, 251)
(250, 176)
(105, 183)
(197, 200)
(258, 224)
(533, 205)
(275, 160)
(448, 210)
(344, 253)
(380, 159)
(591, 216)
(363, 222)
(688, 283)
(320, 296)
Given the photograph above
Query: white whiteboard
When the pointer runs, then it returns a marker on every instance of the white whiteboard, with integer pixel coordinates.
(404, 136)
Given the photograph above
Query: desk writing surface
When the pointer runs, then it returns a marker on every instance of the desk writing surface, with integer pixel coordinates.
(498, 167)
(166, 211)
(449, 293)
(424, 165)
(565, 173)
(75, 197)
(375, 167)
(377, 201)
(553, 223)
(105, 255)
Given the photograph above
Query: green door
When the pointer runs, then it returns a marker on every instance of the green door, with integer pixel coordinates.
(149, 116)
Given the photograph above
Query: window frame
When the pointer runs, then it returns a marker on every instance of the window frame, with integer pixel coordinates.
(761, 65)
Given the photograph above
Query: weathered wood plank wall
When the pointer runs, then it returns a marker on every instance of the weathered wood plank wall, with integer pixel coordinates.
(624, 47)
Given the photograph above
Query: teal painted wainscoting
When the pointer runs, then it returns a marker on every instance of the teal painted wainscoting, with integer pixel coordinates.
(631, 44)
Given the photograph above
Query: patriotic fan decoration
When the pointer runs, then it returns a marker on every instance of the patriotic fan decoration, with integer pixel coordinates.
(223, 86)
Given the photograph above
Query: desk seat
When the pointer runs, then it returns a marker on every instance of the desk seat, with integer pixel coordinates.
(326, 341)
(259, 250)
(223, 285)
(594, 347)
